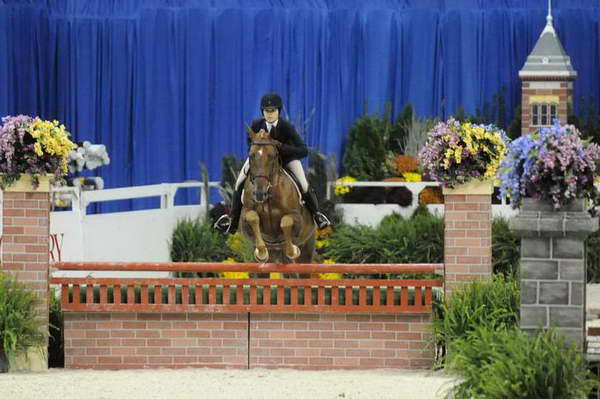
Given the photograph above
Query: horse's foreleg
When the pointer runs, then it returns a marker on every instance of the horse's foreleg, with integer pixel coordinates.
(290, 250)
(261, 253)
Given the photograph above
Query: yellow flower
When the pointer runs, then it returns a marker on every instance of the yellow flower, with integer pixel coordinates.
(324, 232)
(38, 149)
(235, 242)
(237, 275)
(329, 261)
(53, 139)
(597, 180)
(341, 190)
(322, 243)
(330, 276)
(274, 275)
(412, 176)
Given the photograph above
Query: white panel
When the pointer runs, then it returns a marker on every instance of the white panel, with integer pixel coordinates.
(544, 85)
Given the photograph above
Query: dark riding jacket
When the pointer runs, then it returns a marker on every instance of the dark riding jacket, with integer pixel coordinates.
(292, 145)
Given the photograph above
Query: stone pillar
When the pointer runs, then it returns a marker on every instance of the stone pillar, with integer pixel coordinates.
(467, 234)
(24, 247)
(553, 271)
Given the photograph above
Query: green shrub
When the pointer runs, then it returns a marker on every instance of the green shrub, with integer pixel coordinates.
(396, 240)
(492, 304)
(364, 156)
(506, 248)
(20, 322)
(509, 363)
(196, 241)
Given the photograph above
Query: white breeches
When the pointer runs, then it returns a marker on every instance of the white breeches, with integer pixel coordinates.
(294, 167)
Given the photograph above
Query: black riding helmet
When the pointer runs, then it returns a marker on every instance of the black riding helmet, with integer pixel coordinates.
(271, 100)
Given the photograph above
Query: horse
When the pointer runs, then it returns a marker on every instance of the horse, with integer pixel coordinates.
(273, 216)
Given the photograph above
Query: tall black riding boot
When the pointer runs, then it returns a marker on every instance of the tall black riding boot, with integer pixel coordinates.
(229, 223)
(310, 199)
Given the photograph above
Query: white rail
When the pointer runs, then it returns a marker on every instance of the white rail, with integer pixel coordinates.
(166, 191)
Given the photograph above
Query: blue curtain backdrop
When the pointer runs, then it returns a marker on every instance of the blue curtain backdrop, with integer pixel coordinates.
(167, 84)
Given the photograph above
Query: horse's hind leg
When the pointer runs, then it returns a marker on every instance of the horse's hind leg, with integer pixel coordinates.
(290, 250)
(260, 253)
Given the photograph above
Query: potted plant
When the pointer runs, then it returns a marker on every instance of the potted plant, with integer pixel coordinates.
(459, 153)
(20, 322)
(32, 147)
(552, 165)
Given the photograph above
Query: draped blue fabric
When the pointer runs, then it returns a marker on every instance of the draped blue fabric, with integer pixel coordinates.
(168, 84)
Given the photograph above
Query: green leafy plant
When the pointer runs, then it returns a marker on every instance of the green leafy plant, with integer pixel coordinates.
(493, 304)
(509, 363)
(396, 240)
(194, 240)
(21, 327)
(506, 248)
(364, 157)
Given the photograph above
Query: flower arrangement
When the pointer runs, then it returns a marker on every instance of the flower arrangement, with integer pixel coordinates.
(32, 146)
(340, 189)
(456, 153)
(553, 164)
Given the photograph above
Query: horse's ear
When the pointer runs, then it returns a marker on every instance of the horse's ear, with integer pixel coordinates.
(250, 132)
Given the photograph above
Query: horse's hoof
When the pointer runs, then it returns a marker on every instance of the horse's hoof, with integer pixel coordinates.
(261, 258)
(295, 252)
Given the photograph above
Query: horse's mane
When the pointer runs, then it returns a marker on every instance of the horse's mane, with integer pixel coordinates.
(263, 135)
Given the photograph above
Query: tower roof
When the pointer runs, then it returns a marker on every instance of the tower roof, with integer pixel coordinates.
(548, 58)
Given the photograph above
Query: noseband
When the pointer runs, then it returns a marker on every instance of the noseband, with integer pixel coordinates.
(268, 177)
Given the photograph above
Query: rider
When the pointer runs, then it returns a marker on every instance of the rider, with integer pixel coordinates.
(291, 148)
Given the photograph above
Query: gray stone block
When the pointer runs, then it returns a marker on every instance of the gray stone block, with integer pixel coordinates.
(534, 316)
(573, 334)
(528, 292)
(531, 204)
(577, 293)
(571, 317)
(567, 248)
(571, 270)
(535, 247)
(531, 331)
(556, 293)
(539, 269)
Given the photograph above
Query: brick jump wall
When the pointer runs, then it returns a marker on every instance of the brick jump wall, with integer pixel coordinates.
(115, 340)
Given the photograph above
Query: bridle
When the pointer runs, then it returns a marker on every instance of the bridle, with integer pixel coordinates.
(274, 168)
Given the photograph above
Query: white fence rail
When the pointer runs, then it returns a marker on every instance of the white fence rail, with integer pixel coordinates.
(145, 235)
(120, 236)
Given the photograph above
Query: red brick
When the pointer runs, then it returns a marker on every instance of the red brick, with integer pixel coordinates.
(159, 342)
(148, 333)
(123, 351)
(148, 351)
(161, 359)
(173, 351)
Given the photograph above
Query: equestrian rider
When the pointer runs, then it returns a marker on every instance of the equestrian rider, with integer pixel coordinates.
(291, 148)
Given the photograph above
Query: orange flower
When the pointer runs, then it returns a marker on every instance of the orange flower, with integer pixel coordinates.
(431, 195)
(406, 164)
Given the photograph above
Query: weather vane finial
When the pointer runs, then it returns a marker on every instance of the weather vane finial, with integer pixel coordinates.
(549, 17)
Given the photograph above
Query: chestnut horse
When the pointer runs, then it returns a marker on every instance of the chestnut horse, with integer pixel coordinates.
(273, 216)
